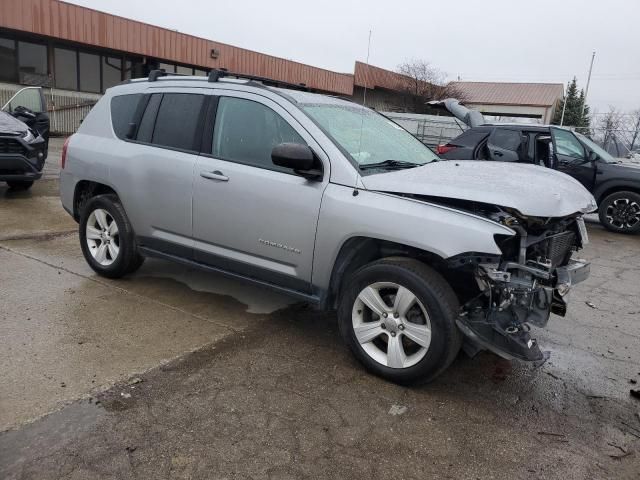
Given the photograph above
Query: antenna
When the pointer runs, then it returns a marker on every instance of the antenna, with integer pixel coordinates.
(364, 105)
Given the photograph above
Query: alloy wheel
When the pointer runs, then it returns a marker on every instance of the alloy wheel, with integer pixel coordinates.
(391, 325)
(623, 213)
(102, 237)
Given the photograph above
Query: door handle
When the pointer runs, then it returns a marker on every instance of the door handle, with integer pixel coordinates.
(215, 175)
(497, 153)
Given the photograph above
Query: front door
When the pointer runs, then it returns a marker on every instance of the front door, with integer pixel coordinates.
(250, 216)
(571, 157)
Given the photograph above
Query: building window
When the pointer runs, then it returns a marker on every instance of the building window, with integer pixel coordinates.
(111, 72)
(32, 63)
(184, 70)
(200, 73)
(167, 67)
(8, 71)
(89, 72)
(66, 69)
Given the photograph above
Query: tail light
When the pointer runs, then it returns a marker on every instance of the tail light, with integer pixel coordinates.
(63, 160)
(442, 149)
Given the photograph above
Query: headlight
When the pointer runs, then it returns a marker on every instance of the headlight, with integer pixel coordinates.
(29, 136)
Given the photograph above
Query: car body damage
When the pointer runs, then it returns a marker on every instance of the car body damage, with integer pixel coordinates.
(533, 191)
(502, 295)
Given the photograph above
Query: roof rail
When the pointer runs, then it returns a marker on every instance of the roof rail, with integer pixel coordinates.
(217, 74)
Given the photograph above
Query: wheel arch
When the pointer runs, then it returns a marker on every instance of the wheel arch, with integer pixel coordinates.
(607, 189)
(358, 251)
(86, 189)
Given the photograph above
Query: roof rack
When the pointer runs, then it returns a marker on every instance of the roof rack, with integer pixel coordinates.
(218, 73)
(155, 74)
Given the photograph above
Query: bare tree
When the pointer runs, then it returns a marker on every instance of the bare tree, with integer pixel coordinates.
(610, 124)
(423, 82)
(635, 129)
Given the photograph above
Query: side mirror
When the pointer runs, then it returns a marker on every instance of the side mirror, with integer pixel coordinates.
(297, 157)
(593, 156)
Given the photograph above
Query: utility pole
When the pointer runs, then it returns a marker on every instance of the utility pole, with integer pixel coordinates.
(586, 91)
(564, 107)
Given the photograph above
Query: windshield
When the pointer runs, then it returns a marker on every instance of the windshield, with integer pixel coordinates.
(368, 137)
(603, 154)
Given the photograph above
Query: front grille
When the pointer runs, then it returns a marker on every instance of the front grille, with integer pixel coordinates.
(11, 145)
(557, 248)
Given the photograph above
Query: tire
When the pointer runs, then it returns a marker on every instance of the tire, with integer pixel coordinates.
(20, 185)
(110, 251)
(620, 212)
(434, 297)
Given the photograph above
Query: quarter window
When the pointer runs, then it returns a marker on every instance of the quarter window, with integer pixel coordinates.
(177, 122)
(123, 108)
(246, 131)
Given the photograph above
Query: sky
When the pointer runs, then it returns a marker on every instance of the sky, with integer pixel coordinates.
(492, 40)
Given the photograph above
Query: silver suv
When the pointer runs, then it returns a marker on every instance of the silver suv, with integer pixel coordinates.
(332, 203)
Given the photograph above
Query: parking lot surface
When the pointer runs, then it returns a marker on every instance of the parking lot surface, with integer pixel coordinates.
(174, 373)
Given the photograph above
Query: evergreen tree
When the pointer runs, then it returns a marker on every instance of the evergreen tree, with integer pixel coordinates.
(572, 113)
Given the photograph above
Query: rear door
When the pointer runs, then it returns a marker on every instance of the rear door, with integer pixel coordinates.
(571, 157)
(250, 216)
(506, 145)
(156, 174)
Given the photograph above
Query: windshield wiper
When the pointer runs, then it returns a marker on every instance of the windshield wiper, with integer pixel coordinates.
(389, 165)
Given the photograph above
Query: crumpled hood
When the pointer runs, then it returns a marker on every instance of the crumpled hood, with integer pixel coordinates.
(530, 189)
(11, 126)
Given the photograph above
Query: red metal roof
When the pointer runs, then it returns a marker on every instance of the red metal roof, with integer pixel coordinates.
(499, 93)
(74, 23)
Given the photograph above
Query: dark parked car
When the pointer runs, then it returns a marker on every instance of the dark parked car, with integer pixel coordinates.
(24, 138)
(614, 184)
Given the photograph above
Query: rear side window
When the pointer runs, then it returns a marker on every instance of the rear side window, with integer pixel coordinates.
(178, 121)
(123, 108)
(507, 139)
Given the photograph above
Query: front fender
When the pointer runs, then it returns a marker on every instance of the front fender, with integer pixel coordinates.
(437, 229)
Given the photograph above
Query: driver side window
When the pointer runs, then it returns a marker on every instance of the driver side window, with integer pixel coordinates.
(567, 144)
(246, 132)
(30, 98)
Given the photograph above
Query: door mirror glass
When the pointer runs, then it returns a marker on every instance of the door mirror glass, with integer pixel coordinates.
(292, 155)
(593, 156)
(30, 98)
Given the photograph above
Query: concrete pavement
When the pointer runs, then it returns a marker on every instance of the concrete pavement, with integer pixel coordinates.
(173, 373)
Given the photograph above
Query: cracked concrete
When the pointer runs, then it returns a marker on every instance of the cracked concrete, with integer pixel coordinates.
(239, 383)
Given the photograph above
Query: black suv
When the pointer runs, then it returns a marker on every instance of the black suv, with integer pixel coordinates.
(614, 184)
(24, 138)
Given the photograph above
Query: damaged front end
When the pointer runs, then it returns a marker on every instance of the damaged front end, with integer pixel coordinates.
(522, 287)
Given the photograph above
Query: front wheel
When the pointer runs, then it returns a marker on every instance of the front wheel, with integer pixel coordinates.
(398, 317)
(107, 239)
(620, 212)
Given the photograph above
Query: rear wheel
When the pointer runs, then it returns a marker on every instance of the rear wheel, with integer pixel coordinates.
(107, 239)
(620, 212)
(20, 184)
(398, 317)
